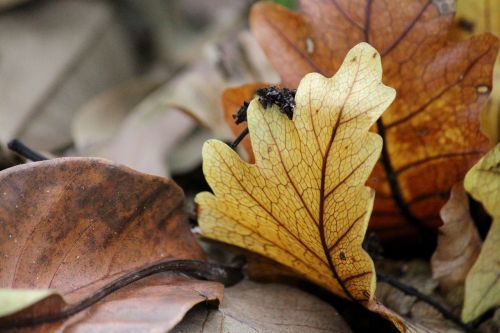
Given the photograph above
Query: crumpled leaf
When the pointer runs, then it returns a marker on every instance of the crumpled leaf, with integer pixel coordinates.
(478, 16)
(482, 285)
(459, 243)
(73, 225)
(303, 203)
(431, 132)
(252, 307)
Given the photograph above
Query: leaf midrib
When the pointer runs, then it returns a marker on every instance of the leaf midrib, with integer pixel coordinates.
(321, 226)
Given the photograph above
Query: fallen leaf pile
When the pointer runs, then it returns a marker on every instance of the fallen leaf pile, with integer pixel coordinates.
(375, 145)
(431, 132)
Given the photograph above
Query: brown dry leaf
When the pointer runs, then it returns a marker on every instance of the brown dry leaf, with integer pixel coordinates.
(431, 132)
(73, 225)
(459, 243)
(249, 307)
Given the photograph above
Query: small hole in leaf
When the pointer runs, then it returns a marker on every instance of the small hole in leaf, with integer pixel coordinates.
(309, 45)
(354, 59)
(483, 89)
(342, 255)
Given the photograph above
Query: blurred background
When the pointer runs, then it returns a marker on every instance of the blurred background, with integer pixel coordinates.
(138, 82)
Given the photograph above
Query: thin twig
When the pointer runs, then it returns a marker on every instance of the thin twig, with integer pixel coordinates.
(240, 137)
(21, 149)
(228, 275)
(409, 290)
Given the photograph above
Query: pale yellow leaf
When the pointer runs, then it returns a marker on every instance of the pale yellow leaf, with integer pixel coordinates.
(482, 285)
(304, 203)
(14, 300)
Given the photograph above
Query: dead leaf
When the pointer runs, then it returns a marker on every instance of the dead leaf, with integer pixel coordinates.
(431, 132)
(475, 17)
(56, 56)
(482, 285)
(303, 203)
(459, 243)
(246, 195)
(100, 118)
(146, 139)
(251, 307)
(74, 225)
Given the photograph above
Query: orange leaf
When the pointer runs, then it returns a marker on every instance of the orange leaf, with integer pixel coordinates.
(431, 132)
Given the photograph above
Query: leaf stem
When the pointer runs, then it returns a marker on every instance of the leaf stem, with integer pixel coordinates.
(228, 275)
(21, 149)
(412, 291)
(240, 137)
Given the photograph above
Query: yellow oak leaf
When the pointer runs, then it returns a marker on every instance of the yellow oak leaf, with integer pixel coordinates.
(475, 17)
(304, 203)
(482, 285)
